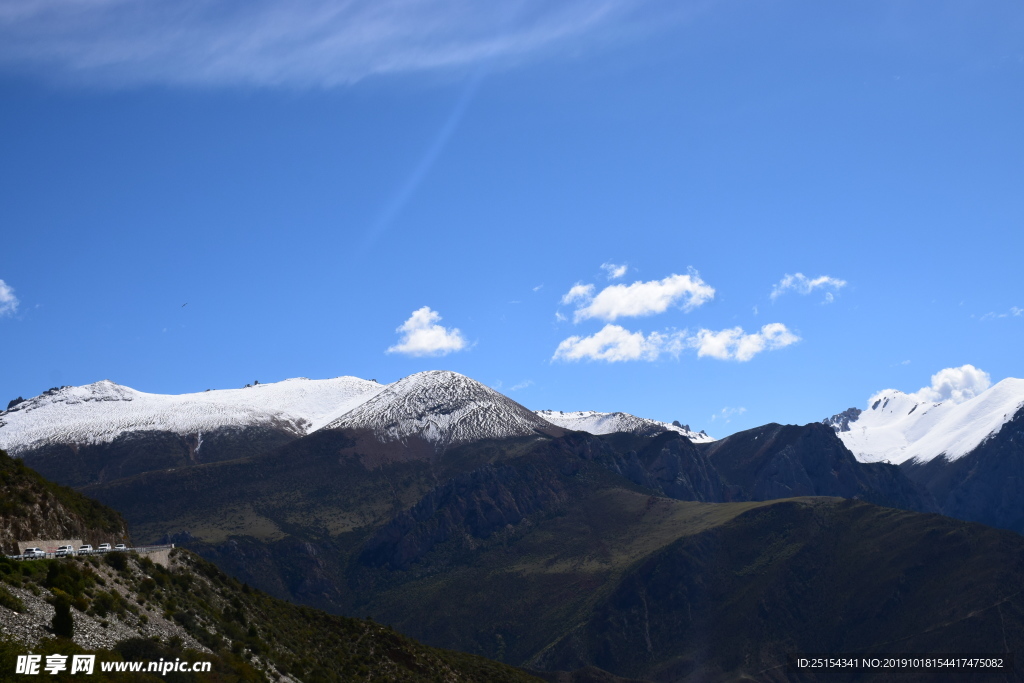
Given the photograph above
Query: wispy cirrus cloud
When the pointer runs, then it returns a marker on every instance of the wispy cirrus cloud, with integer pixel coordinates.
(302, 43)
(726, 414)
(8, 302)
(640, 298)
(1015, 312)
(802, 284)
(422, 336)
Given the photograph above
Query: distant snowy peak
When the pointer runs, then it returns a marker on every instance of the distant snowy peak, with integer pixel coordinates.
(897, 427)
(608, 423)
(443, 408)
(100, 412)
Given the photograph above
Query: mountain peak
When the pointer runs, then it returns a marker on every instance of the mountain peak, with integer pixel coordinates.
(443, 408)
(898, 427)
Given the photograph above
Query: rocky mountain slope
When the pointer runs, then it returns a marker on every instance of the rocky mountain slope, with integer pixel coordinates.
(33, 508)
(782, 461)
(608, 423)
(126, 608)
(443, 409)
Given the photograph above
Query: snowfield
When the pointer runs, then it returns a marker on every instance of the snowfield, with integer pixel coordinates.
(609, 423)
(441, 407)
(99, 412)
(896, 427)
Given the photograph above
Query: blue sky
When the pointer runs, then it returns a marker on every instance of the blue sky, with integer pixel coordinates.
(779, 207)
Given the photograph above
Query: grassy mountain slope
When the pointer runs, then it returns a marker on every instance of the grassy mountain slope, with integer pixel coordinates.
(527, 551)
(809, 575)
(32, 508)
(126, 607)
(249, 635)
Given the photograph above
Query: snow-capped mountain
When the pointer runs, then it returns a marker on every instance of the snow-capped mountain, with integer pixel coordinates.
(101, 412)
(898, 428)
(607, 423)
(443, 408)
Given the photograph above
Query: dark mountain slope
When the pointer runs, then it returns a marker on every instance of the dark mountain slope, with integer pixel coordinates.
(781, 461)
(136, 452)
(289, 521)
(820, 576)
(286, 521)
(511, 593)
(986, 485)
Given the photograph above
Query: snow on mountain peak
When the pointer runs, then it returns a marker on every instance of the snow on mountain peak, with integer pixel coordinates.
(594, 422)
(443, 408)
(897, 427)
(99, 412)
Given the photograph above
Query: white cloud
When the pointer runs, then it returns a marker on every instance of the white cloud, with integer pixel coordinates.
(579, 292)
(1016, 311)
(422, 336)
(955, 384)
(559, 317)
(641, 298)
(614, 343)
(8, 302)
(301, 42)
(734, 344)
(802, 284)
(522, 385)
(726, 414)
(613, 271)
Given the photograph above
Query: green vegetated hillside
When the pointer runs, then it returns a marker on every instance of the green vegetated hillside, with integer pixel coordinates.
(126, 608)
(248, 635)
(559, 554)
(663, 590)
(806, 576)
(33, 508)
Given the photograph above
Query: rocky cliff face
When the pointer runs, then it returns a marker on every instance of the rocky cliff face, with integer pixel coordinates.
(840, 422)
